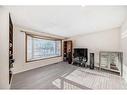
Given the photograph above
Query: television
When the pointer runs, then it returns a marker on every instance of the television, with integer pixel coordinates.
(81, 52)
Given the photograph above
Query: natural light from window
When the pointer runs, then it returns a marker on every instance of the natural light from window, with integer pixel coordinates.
(41, 48)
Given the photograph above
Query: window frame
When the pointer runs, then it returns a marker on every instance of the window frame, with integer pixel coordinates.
(41, 37)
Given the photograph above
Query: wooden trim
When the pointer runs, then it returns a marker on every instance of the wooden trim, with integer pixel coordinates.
(40, 38)
(25, 47)
(43, 37)
(43, 59)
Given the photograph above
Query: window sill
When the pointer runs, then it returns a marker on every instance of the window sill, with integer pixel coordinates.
(27, 61)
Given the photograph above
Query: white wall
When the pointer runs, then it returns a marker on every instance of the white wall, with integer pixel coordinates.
(108, 40)
(104, 40)
(124, 48)
(4, 48)
(19, 52)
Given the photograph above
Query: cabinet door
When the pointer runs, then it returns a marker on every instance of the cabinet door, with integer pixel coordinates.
(114, 61)
(104, 60)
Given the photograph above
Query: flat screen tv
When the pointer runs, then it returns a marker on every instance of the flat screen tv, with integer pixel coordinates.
(80, 52)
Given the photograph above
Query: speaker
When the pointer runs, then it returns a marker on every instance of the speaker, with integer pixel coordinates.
(91, 60)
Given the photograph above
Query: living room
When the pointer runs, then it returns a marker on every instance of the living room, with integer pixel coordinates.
(43, 40)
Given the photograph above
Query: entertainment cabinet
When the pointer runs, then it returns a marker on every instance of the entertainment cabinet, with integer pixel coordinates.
(111, 61)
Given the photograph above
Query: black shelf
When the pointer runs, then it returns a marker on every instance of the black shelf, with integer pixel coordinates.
(11, 60)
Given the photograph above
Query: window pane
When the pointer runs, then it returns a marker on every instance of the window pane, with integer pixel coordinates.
(41, 48)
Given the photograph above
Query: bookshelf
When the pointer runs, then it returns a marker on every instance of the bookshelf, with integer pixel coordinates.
(11, 60)
(67, 47)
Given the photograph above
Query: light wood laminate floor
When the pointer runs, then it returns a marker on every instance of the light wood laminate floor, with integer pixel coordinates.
(66, 76)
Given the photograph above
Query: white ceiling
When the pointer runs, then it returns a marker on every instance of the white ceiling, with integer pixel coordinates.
(68, 20)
